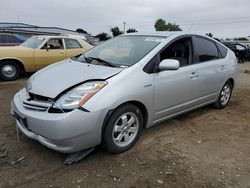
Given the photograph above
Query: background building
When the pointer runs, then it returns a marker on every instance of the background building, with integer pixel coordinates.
(27, 30)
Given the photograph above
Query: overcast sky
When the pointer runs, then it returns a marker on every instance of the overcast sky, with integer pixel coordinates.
(224, 18)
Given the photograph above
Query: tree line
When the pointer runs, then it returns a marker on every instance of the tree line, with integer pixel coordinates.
(160, 25)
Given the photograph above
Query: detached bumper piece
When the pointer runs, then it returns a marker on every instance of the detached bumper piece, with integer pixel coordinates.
(77, 156)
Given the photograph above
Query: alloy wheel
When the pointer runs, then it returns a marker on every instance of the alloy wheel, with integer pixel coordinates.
(225, 94)
(125, 129)
(9, 71)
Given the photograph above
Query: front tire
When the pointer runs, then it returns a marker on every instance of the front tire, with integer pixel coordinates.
(9, 70)
(224, 96)
(123, 129)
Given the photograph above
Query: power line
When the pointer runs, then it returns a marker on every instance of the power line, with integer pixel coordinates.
(200, 22)
(191, 23)
(214, 23)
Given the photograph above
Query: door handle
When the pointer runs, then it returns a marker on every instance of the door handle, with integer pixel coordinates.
(194, 75)
(61, 52)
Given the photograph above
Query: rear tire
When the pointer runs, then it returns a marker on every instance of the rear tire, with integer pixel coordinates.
(9, 70)
(225, 95)
(122, 129)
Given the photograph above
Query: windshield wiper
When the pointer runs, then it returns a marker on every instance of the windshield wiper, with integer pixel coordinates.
(87, 59)
(102, 61)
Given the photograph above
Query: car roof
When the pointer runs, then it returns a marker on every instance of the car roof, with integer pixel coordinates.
(59, 36)
(161, 33)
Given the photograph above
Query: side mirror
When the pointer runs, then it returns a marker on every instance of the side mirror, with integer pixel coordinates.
(47, 47)
(169, 64)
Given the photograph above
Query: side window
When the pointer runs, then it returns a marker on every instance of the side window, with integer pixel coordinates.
(180, 50)
(1, 38)
(206, 50)
(222, 49)
(53, 44)
(72, 44)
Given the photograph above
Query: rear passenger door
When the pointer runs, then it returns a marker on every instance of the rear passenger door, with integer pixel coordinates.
(210, 67)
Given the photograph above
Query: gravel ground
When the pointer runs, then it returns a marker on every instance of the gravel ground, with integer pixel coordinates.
(203, 148)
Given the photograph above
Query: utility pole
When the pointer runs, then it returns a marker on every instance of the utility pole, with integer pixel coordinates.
(124, 23)
(110, 33)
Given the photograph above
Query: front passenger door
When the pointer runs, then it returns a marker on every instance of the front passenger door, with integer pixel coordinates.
(175, 90)
(52, 52)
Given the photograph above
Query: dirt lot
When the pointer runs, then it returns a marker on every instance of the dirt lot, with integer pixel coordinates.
(203, 148)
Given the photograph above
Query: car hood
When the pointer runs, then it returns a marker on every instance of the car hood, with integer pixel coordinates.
(13, 48)
(14, 51)
(54, 79)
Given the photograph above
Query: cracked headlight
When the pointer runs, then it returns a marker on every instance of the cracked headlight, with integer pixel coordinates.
(79, 95)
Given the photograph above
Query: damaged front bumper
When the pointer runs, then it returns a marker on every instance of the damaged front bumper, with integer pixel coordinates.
(64, 132)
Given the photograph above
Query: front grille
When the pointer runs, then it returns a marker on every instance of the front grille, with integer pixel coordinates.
(39, 103)
(37, 107)
(35, 102)
(38, 97)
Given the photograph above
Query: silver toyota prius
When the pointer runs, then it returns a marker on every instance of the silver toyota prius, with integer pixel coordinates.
(110, 93)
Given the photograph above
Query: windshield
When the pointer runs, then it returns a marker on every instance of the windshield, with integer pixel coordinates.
(33, 42)
(123, 50)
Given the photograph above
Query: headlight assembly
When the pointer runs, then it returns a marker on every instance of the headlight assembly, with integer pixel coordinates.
(79, 95)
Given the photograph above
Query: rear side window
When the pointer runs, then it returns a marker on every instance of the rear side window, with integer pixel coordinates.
(72, 44)
(206, 50)
(222, 49)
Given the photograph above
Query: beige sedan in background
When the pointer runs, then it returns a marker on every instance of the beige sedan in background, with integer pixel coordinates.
(38, 52)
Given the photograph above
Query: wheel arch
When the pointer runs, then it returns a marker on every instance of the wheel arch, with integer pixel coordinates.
(231, 81)
(19, 62)
(139, 104)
